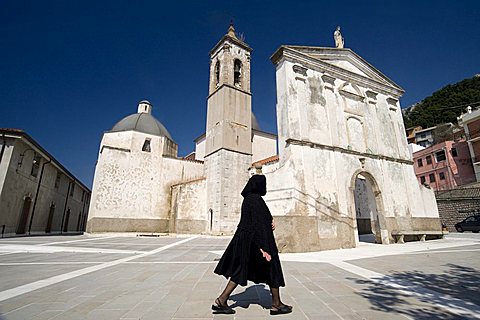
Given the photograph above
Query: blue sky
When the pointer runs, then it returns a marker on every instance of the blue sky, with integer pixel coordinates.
(69, 70)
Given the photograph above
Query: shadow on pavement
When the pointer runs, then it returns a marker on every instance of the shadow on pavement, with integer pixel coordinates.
(256, 294)
(456, 288)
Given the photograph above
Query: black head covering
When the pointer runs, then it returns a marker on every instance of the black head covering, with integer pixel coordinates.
(257, 184)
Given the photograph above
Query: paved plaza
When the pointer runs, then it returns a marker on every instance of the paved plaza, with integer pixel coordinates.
(127, 277)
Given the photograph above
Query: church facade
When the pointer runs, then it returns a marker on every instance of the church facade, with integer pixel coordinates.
(342, 168)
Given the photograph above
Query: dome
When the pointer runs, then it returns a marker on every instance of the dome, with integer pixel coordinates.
(142, 122)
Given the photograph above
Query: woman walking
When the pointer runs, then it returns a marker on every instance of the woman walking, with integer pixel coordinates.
(252, 253)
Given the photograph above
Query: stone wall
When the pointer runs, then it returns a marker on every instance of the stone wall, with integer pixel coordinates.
(458, 204)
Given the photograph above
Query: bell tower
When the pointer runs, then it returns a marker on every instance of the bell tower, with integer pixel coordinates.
(228, 146)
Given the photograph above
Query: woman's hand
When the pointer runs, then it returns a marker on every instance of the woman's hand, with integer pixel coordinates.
(273, 225)
(266, 255)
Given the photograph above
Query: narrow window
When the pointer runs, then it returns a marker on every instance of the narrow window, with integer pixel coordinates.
(422, 179)
(72, 190)
(35, 165)
(429, 159)
(431, 176)
(442, 176)
(440, 155)
(454, 152)
(57, 179)
(146, 146)
(217, 73)
(420, 162)
(237, 73)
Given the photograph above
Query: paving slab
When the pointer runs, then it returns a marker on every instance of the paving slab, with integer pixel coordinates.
(172, 278)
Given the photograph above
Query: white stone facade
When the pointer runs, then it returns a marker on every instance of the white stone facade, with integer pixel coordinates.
(340, 119)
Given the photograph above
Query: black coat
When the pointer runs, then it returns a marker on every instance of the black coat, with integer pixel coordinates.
(242, 260)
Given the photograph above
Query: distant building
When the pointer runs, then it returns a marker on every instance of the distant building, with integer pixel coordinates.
(424, 137)
(37, 194)
(411, 133)
(444, 166)
(471, 124)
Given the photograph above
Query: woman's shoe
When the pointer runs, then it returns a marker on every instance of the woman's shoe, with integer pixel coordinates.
(280, 310)
(219, 308)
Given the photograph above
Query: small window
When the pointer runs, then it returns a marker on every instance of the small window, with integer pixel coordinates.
(217, 73)
(420, 162)
(146, 146)
(454, 152)
(57, 179)
(423, 135)
(429, 159)
(442, 176)
(237, 73)
(72, 190)
(431, 177)
(35, 165)
(440, 156)
(422, 179)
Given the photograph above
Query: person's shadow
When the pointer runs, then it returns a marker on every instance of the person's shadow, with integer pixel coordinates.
(256, 294)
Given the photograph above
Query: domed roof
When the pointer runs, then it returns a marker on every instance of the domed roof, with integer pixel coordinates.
(142, 121)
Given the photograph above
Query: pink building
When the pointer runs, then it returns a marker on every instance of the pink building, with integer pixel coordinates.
(444, 165)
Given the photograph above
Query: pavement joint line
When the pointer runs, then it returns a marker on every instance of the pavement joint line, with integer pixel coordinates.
(99, 262)
(17, 291)
(442, 301)
(80, 240)
(19, 248)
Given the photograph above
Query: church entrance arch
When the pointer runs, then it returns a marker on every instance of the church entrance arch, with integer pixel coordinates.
(368, 213)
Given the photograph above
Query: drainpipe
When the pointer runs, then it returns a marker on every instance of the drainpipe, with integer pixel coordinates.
(65, 206)
(36, 194)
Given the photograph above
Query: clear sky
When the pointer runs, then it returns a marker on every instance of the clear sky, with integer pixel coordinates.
(69, 70)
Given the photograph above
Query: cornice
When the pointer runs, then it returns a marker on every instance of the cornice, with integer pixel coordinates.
(289, 54)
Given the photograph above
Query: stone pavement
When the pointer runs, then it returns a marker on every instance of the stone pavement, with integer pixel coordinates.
(126, 277)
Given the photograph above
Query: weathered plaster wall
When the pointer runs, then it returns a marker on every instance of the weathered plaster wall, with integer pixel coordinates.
(132, 185)
(330, 130)
(188, 211)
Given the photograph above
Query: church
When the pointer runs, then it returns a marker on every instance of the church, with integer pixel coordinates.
(338, 168)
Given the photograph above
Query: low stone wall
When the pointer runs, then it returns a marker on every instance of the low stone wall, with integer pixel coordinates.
(458, 204)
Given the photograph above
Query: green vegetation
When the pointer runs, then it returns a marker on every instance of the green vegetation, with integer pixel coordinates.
(444, 105)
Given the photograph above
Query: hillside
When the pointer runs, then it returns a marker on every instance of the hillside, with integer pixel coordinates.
(444, 105)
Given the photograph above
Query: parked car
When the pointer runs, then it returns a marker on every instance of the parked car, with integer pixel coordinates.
(469, 224)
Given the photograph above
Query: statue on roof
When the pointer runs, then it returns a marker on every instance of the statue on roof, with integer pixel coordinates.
(337, 35)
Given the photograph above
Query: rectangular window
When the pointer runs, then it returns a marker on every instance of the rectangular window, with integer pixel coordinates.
(57, 179)
(429, 159)
(35, 164)
(442, 176)
(420, 162)
(422, 179)
(454, 152)
(431, 177)
(72, 190)
(440, 156)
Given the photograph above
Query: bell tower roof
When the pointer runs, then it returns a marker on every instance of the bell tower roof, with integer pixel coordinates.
(230, 36)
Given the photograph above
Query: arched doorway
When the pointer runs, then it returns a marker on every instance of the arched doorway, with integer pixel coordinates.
(368, 207)
(22, 224)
